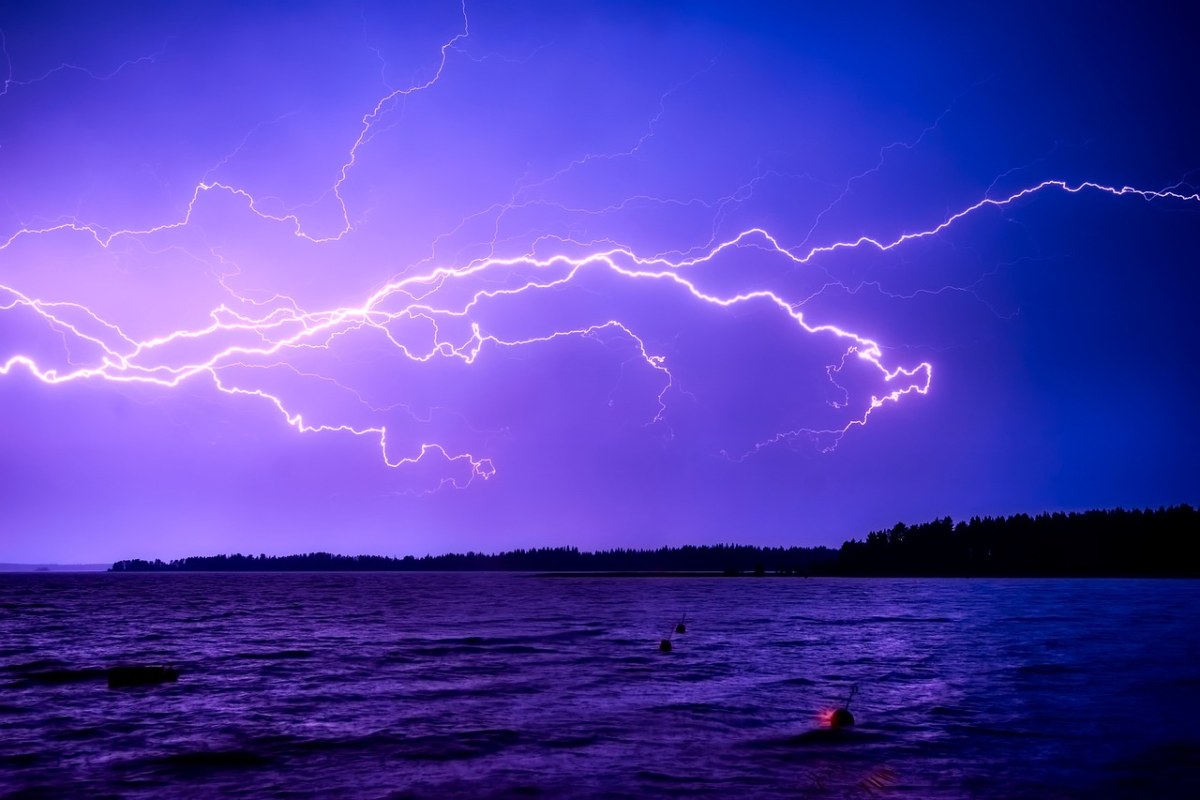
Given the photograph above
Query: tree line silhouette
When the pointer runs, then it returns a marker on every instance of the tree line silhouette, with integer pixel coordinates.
(1160, 543)
(689, 558)
(1151, 543)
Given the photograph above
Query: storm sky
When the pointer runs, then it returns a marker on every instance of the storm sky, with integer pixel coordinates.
(418, 277)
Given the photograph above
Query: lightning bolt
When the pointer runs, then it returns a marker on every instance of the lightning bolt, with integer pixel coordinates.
(438, 310)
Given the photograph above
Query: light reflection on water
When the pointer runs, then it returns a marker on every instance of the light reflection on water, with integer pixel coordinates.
(391, 685)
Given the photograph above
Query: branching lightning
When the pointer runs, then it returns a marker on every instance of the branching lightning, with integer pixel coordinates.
(434, 303)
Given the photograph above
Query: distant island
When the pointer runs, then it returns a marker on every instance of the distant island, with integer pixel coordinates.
(1116, 543)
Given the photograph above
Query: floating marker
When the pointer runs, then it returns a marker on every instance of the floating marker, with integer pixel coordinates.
(842, 718)
(664, 646)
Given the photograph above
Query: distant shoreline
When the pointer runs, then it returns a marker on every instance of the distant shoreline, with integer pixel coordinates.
(1161, 543)
(618, 575)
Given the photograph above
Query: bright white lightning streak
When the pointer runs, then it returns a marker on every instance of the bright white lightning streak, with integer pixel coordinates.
(126, 360)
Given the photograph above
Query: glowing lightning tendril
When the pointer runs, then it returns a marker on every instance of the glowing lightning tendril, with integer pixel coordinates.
(122, 358)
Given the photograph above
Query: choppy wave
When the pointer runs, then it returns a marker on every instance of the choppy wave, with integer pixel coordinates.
(394, 685)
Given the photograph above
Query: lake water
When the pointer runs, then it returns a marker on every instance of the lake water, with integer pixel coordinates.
(485, 685)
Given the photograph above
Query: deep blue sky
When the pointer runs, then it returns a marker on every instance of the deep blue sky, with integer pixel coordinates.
(271, 170)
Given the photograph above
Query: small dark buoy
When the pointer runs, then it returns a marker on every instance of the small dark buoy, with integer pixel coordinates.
(841, 718)
(664, 646)
(142, 675)
(681, 628)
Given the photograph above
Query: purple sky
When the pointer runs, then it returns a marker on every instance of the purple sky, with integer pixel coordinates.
(400, 278)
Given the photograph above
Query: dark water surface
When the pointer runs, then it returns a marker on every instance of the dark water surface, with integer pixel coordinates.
(478, 685)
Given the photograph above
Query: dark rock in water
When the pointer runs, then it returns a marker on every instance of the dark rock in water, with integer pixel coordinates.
(142, 675)
(665, 646)
(681, 628)
(842, 718)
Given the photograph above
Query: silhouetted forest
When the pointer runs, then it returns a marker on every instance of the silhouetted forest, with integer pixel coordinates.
(690, 558)
(1161, 543)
